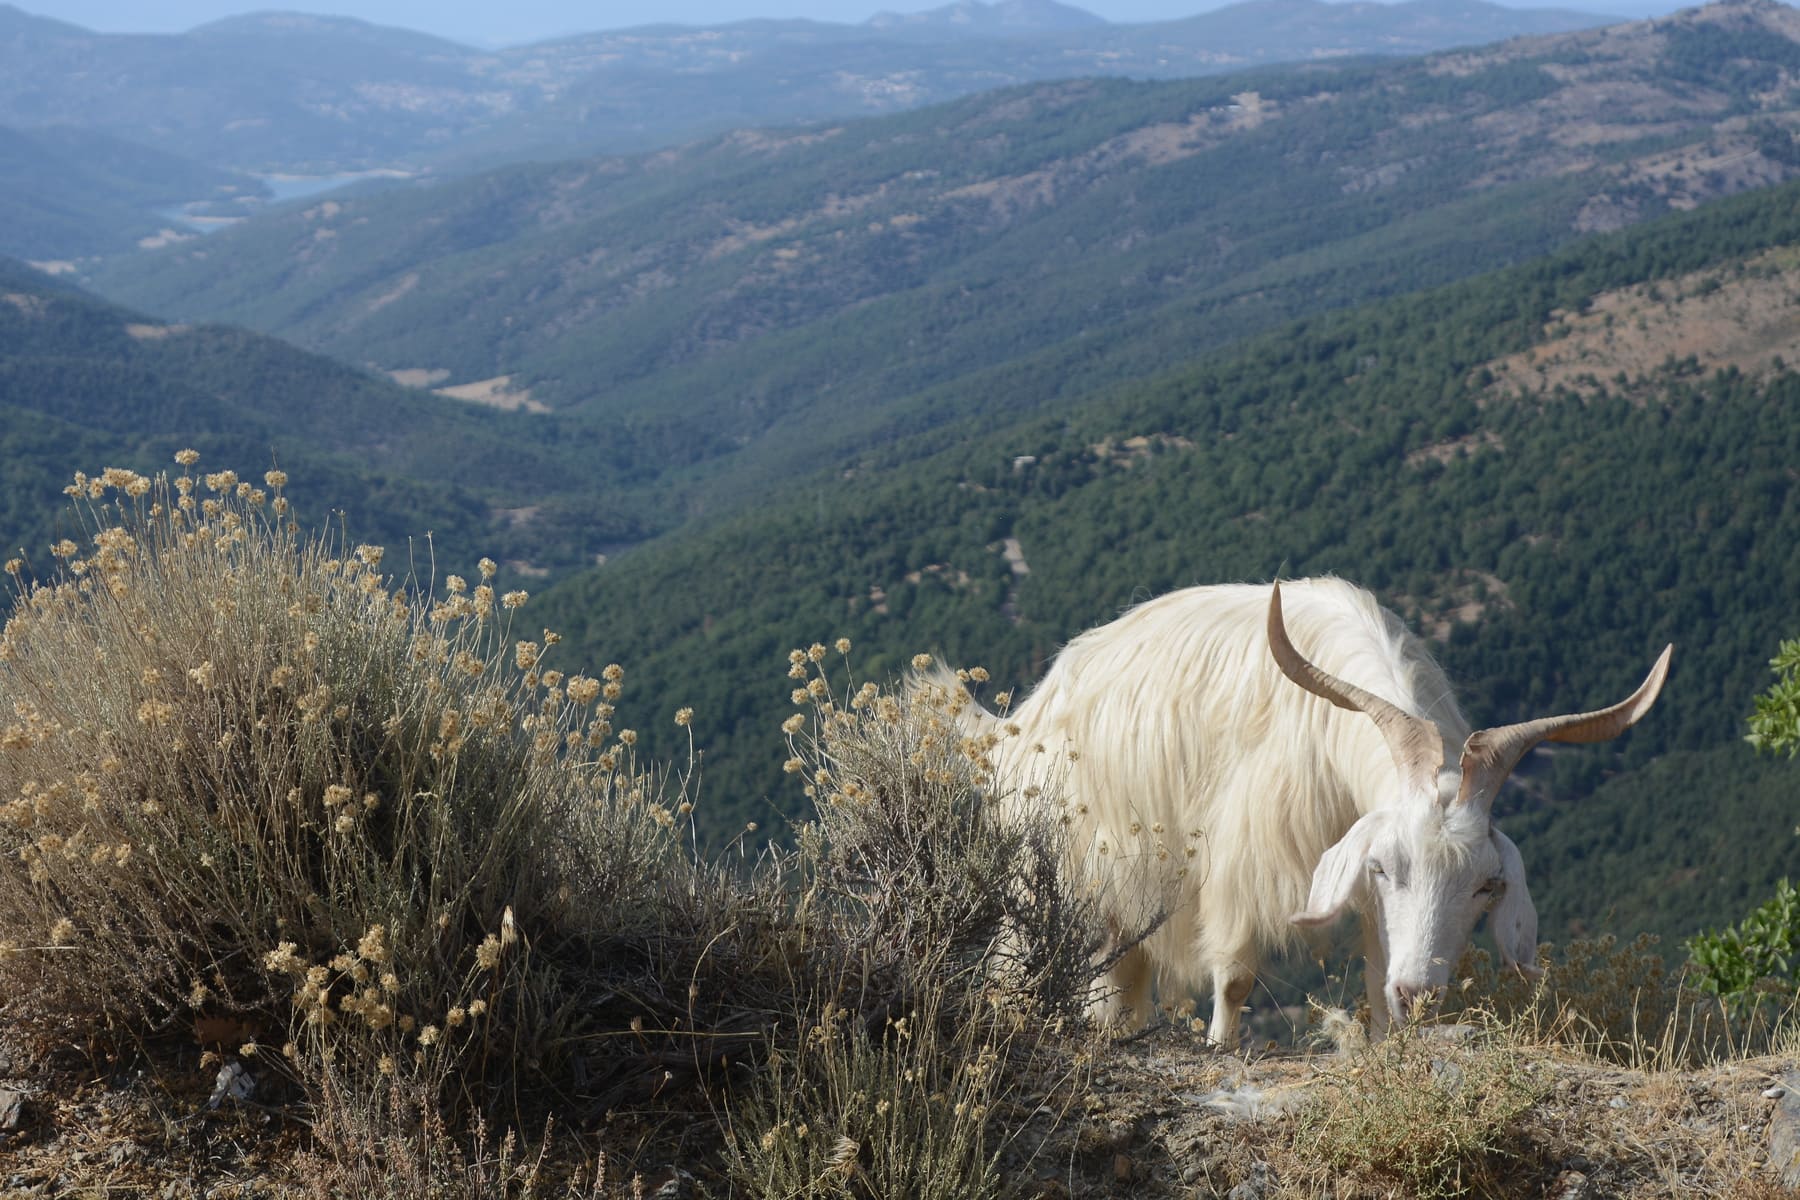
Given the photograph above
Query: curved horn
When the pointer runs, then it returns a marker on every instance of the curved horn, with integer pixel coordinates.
(1415, 743)
(1489, 755)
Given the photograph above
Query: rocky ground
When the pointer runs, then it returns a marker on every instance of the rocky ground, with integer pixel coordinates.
(1158, 1116)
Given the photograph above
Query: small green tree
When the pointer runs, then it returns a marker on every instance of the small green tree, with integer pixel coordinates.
(1753, 960)
(1756, 959)
(1775, 724)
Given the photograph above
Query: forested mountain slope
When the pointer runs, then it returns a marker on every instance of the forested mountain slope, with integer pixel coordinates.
(760, 302)
(67, 192)
(85, 385)
(290, 91)
(1530, 465)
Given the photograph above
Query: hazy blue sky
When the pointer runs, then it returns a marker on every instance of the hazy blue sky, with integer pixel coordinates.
(526, 20)
(511, 21)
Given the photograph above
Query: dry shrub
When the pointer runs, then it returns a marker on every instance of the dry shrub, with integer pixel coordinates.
(375, 841)
(1618, 1002)
(900, 1111)
(249, 782)
(921, 860)
(1429, 1116)
(944, 953)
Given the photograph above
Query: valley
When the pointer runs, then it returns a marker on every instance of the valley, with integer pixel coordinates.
(1005, 253)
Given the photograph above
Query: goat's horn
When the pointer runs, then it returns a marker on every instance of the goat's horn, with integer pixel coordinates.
(1415, 743)
(1489, 755)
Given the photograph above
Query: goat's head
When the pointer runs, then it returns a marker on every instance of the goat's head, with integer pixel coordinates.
(1426, 865)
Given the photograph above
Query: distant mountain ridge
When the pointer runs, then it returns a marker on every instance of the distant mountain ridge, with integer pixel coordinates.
(751, 302)
(275, 92)
(332, 28)
(1005, 17)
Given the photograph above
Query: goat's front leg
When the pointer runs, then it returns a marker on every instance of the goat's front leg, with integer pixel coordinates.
(1126, 1007)
(1231, 987)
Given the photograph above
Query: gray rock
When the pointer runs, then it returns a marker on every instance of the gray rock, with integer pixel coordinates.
(12, 1108)
(1784, 1132)
(1449, 1033)
(1572, 1185)
(678, 1186)
(1255, 1187)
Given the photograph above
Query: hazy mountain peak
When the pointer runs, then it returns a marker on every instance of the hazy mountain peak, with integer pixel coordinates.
(15, 20)
(998, 17)
(279, 23)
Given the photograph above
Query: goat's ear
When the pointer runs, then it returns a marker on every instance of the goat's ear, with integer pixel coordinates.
(1340, 873)
(1514, 919)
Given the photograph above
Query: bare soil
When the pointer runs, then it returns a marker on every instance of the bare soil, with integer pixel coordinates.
(1158, 1116)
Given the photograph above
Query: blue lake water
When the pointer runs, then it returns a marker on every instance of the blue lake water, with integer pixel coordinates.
(282, 188)
(296, 187)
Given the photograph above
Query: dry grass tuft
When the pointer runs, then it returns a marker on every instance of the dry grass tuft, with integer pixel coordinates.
(1419, 1113)
(900, 1111)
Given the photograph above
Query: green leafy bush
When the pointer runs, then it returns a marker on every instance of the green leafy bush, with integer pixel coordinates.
(1775, 723)
(1753, 962)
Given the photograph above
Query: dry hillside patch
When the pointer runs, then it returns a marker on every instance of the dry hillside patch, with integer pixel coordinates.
(1743, 318)
(497, 392)
(1414, 1120)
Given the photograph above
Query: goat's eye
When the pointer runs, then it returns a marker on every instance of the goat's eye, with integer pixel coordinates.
(1376, 868)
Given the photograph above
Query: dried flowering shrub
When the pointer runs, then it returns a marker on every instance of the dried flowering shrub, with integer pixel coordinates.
(244, 774)
(248, 780)
(949, 960)
(919, 851)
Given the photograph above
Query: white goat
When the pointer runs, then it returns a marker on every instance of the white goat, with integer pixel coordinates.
(1197, 779)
